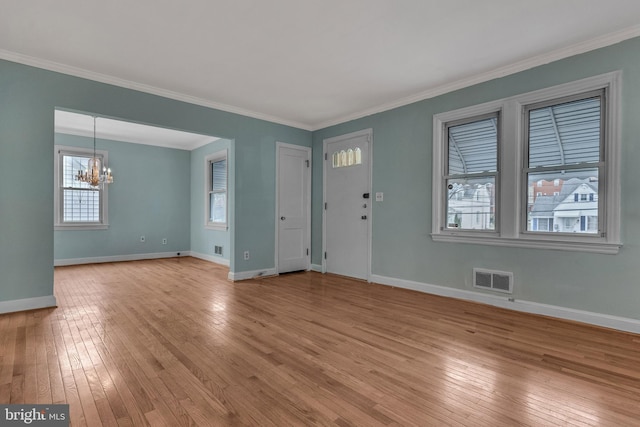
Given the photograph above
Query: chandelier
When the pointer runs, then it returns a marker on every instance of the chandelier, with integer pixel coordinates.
(93, 175)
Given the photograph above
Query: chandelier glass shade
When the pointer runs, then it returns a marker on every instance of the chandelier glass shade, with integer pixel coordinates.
(94, 175)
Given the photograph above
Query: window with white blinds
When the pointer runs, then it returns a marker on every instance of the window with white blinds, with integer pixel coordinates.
(216, 195)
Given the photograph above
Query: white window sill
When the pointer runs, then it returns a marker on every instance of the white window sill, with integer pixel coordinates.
(219, 227)
(579, 245)
(69, 227)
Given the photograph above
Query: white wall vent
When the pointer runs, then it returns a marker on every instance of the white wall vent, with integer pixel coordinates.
(493, 280)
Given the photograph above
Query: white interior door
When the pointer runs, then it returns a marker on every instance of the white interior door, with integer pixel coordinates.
(293, 207)
(348, 204)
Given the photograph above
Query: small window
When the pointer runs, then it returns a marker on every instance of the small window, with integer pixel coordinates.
(216, 194)
(78, 205)
(543, 224)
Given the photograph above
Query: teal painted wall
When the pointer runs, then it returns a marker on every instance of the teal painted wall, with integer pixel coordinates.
(203, 239)
(28, 97)
(149, 197)
(402, 247)
(402, 156)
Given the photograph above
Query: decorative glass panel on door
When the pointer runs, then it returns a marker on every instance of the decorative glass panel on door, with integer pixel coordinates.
(346, 158)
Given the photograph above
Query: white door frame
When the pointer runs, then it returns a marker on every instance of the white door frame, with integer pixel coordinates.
(277, 207)
(325, 162)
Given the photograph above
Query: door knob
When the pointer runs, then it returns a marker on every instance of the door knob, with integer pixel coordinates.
(282, 218)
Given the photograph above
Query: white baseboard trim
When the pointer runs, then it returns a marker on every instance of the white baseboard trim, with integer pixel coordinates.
(27, 304)
(211, 258)
(605, 320)
(316, 267)
(118, 258)
(244, 275)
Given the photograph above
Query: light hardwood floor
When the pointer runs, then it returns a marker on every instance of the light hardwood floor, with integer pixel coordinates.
(172, 342)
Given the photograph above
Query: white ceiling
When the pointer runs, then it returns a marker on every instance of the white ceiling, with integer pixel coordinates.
(306, 63)
(118, 130)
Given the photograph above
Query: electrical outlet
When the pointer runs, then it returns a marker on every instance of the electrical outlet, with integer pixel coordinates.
(164, 241)
(142, 239)
(246, 255)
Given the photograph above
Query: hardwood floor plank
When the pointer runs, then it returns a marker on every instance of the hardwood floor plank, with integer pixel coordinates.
(5, 393)
(42, 366)
(30, 370)
(105, 412)
(121, 399)
(173, 342)
(17, 390)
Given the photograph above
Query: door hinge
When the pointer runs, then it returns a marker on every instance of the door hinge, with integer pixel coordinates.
(325, 206)
(326, 156)
(307, 251)
(307, 161)
(325, 255)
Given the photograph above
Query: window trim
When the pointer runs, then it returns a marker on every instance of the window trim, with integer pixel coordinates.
(59, 152)
(495, 174)
(214, 157)
(600, 165)
(512, 194)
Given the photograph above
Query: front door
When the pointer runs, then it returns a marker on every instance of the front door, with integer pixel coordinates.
(293, 226)
(348, 204)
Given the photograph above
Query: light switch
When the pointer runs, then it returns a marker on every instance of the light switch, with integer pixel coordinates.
(379, 197)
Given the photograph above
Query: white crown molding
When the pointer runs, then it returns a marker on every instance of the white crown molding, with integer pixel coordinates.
(27, 304)
(103, 78)
(575, 49)
(516, 67)
(598, 319)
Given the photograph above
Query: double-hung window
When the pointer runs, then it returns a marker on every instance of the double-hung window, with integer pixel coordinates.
(216, 194)
(471, 173)
(78, 205)
(564, 143)
(539, 169)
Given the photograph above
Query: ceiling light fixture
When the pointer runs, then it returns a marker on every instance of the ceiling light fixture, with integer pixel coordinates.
(93, 175)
